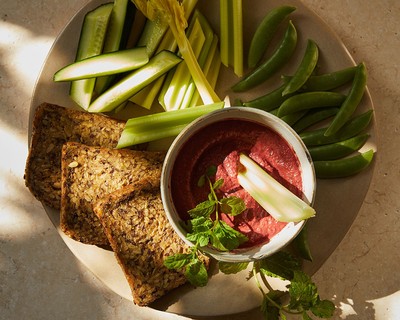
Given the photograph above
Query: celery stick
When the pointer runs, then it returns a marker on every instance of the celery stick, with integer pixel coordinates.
(146, 97)
(161, 125)
(209, 36)
(277, 200)
(168, 78)
(172, 118)
(231, 30)
(175, 93)
(172, 12)
(148, 136)
(213, 73)
(211, 67)
(237, 37)
(225, 31)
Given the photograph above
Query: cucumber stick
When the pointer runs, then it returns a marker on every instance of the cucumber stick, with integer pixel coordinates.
(104, 64)
(151, 36)
(112, 41)
(116, 24)
(91, 43)
(154, 31)
(134, 82)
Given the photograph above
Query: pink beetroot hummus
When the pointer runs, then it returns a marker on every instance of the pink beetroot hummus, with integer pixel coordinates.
(219, 144)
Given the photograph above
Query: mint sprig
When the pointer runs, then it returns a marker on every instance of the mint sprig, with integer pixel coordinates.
(303, 298)
(205, 228)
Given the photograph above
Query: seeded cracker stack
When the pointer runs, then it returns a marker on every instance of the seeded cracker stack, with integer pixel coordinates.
(141, 238)
(54, 125)
(89, 173)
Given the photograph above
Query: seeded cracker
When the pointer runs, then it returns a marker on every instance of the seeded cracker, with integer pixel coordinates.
(54, 125)
(89, 173)
(141, 238)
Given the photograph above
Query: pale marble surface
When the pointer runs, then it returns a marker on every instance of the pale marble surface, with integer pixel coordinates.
(41, 279)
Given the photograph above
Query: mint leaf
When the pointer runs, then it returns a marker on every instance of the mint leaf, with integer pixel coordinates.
(305, 316)
(212, 170)
(200, 224)
(303, 292)
(226, 238)
(178, 260)
(270, 311)
(205, 209)
(280, 265)
(196, 273)
(323, 309)
(202, 181)
(200, 231)
(218, 184)
(232, 205)
(201, 238)
(231, 268)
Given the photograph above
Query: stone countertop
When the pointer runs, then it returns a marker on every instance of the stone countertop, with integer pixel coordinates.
(41, 279)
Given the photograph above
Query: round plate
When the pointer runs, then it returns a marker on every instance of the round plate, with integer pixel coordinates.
(337, 201)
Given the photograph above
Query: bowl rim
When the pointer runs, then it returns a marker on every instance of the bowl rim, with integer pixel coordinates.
(290, 231)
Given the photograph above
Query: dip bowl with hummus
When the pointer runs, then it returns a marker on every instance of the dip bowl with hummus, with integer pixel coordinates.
(217, 141)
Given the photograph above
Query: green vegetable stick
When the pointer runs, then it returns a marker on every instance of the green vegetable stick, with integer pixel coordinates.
(161, 125)
(278, 201)
(172, 12)
(180, 81)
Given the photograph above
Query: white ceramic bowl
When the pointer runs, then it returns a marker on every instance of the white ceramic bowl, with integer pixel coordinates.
(290, 231)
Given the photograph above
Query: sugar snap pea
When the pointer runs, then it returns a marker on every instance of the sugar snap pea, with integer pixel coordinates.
(274, 112)
(268, 68)
(353, 127)
(339, 149)
(269, 101)
(305, 69)
(265, 32)
(330, 81)
(292, 118)
(310, 100)
(350, 104)
(343, 167)
(313, 117)
(326, 81)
